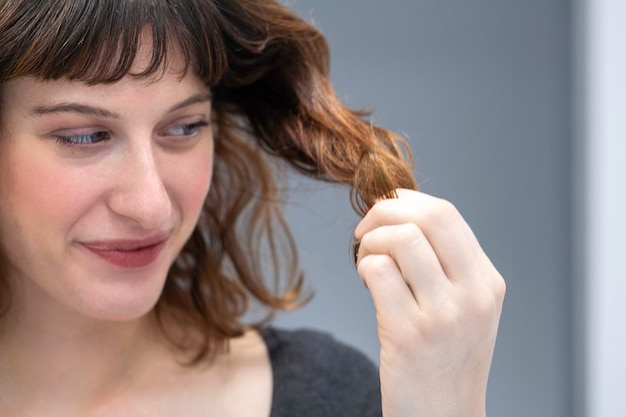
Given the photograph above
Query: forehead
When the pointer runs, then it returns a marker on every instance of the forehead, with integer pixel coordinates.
(173, 61)
(27, 101)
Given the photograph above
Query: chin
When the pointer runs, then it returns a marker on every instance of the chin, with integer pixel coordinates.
(121, 301)
(120, 310)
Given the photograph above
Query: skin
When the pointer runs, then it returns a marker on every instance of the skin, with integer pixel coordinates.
(89, 323)
(438, 300)
(82, 164)
(139, 182)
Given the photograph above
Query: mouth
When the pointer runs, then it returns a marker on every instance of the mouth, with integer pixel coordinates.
(128, 253)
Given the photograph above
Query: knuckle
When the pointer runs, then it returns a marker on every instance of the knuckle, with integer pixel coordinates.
(442, 212)
(466, 310)
(378, 209)
(496, 284)
(485, 304)
(498, 294)
(375, 265)
(500, 288)
(408, 234)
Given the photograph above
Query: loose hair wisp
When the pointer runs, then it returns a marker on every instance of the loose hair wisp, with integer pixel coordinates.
(272, 101)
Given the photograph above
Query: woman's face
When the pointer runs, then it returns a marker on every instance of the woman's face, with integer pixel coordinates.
(100, 188)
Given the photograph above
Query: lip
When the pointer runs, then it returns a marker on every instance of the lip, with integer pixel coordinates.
(128, 253)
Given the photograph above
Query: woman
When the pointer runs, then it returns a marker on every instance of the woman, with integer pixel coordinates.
(140, 217)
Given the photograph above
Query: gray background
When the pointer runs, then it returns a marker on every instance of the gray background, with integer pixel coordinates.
(481, 90)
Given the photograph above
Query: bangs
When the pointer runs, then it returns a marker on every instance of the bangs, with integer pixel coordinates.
(97, 41)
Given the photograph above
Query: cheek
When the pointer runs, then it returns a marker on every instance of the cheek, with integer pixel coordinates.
(40, 203)
(190, 180)
(36, 191)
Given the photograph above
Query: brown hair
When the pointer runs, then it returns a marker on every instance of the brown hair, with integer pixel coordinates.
(269, 74)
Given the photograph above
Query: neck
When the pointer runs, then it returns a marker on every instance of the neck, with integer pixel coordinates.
(70, 359)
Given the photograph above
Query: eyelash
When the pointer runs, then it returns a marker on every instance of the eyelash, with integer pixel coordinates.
(190, 128)
(83, 139)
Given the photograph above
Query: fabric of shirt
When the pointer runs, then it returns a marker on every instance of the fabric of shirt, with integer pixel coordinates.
(316, 376)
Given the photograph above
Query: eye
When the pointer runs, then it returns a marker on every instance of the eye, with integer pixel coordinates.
(185, 129)
(82, 138)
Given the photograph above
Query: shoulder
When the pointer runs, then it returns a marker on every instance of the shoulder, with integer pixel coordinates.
(316, 375)
(314, 351)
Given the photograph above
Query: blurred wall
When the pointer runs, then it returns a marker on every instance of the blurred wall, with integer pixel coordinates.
(601, 225)
(481, 90)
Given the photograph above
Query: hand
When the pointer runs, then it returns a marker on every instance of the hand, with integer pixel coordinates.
(438, 301)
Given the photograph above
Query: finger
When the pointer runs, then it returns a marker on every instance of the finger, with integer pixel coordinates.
(489, 271)
(454, 243)
(392, 297)
(415, 258)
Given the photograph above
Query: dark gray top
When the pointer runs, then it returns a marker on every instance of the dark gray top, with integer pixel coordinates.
(317, 376)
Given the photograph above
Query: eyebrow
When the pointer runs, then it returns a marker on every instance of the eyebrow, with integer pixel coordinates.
(198, 98)
(100, 112)
(74, 108)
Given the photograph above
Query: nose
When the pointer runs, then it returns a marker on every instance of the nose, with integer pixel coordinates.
(140, 194)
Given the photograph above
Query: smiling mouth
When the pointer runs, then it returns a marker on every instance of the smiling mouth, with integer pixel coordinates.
(128, 253)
